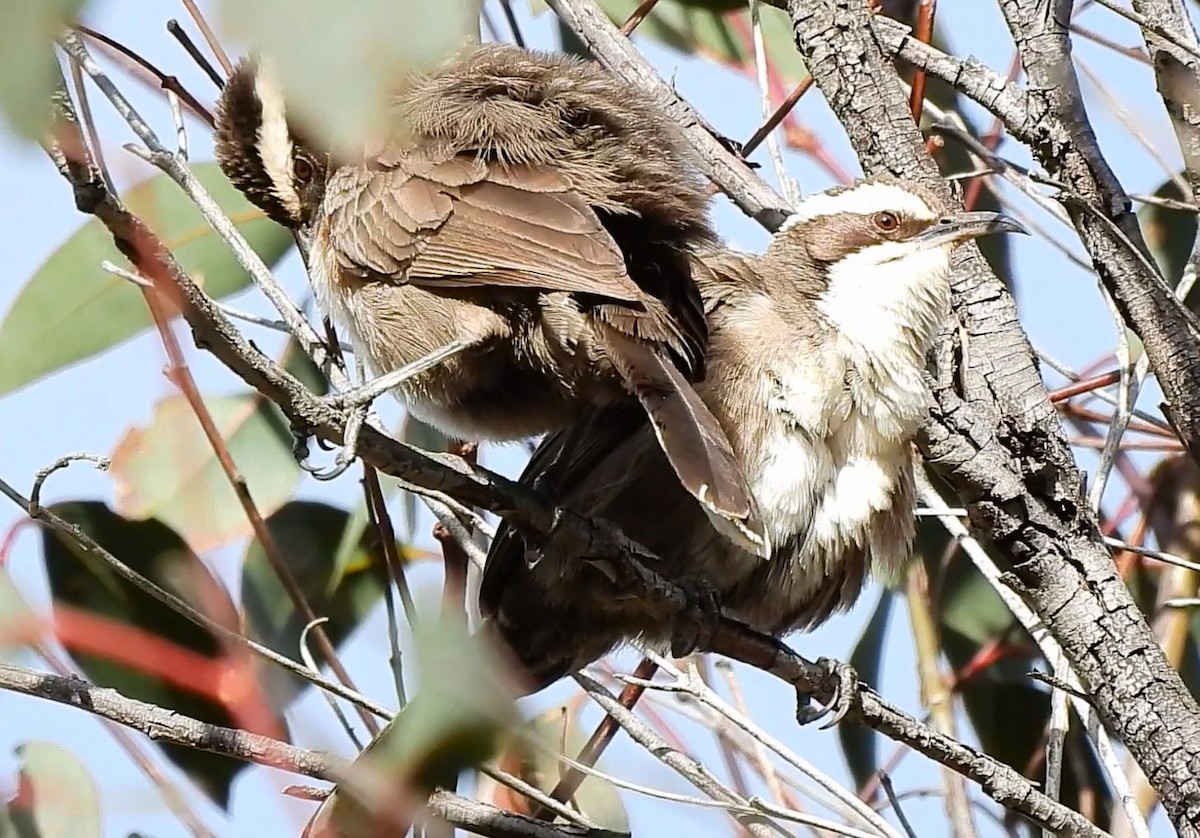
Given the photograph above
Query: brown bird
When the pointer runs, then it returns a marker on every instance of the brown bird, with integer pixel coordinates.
(815, 369)
(521, 249)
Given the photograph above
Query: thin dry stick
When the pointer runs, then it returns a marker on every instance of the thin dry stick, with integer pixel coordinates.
(762, 70)
(938, 700)
(925, 15)
(759, 750)
(777, 117)
(193, 51)
(601, 737)
(166, 82)
(89, 546)
(382, 523)
(690, 769)
(639, 14)
(209, 37)
(835, 796)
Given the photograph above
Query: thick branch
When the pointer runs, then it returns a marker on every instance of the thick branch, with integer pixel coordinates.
(164, 725)
(994, 435)
(729, 171)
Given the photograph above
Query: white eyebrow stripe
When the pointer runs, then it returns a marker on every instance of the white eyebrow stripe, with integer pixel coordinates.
(275, 145)
(863, 199)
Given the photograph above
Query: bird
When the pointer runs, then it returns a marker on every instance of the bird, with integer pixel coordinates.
(520, 249)
(816, 369)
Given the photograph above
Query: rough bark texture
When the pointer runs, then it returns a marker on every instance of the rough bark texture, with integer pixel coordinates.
(996, 439)
(1102, 211)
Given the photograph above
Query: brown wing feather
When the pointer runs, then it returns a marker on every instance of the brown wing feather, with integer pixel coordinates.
(455, 223)
(688, 433)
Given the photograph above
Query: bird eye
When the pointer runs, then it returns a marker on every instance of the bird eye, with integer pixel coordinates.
(302, 170)
(886, 221)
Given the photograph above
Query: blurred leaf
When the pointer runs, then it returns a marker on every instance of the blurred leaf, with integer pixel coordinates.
(308, 535)
(168, 469)
(1008, 711)
(1169, 233)
(345, 102)
(596, 798)
(427, 438)
(454, 722)
(859, 743)
(28, 69)
(57, 793)
(715, 29)
(16, 620)
(156, 552)
(72, 309)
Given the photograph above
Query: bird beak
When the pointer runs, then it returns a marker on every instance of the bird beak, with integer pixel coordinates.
(952, 229)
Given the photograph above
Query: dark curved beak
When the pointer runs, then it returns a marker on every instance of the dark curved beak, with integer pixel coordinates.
(968, 225)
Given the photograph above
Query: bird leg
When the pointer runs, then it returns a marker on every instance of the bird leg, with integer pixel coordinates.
(358, 400)
(845, 689)
(696, 624)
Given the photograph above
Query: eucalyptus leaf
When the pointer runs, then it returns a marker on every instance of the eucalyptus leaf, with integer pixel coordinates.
(82, 582)
(344, 102)
(462, 707)
(168, 469)
(308, 535)
(60, 793)
(72, 309)
(28, 72)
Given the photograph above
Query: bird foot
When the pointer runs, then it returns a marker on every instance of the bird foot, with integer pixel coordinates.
(845, 692)
(698, 621)
(345, 456)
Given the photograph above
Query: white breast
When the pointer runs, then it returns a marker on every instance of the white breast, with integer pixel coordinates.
(835, 453)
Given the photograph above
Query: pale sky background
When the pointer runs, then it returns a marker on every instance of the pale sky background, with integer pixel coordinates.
(88, 407)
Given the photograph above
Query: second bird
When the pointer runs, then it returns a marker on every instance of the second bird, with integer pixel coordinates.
(532, 210)
(816, 370)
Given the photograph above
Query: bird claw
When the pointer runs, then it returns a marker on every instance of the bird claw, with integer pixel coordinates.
(349, 451)
(698, 620)
(845, 692)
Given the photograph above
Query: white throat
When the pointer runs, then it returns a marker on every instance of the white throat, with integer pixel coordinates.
(888, 301)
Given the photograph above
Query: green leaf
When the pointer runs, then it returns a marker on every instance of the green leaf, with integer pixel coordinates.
(57, 793)
(859, 742)
(308, 535)
(14, 614)
(556, 731)
(153, 550)
(427, 438)
(1169, 233)
(168, 469)
(28, 68)
(453, 723)
(72, 309)
(345, 102)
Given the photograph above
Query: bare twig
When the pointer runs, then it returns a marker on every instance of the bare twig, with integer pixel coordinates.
(168, 726)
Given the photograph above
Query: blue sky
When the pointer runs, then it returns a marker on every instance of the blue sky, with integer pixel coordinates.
(88, 407)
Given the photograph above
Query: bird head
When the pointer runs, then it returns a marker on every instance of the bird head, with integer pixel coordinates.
(879, 255)
(261, 151)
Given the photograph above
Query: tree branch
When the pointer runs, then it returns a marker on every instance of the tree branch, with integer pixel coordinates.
(993, 434)
(164, 725)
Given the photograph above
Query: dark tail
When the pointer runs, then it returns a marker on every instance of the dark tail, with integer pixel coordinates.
(692, 439)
